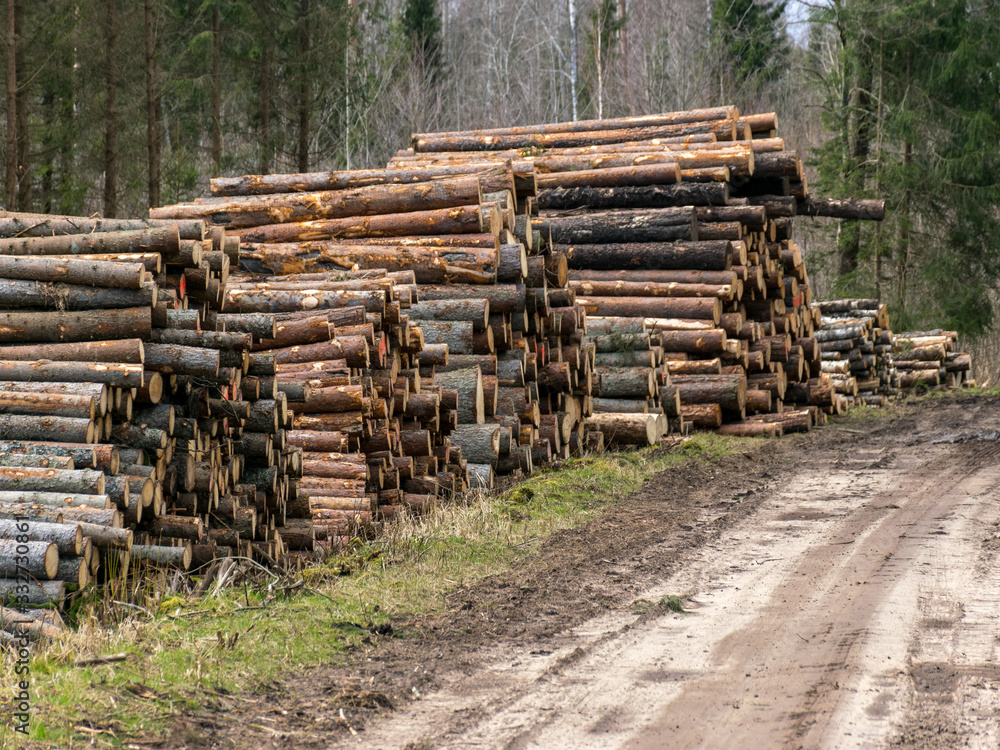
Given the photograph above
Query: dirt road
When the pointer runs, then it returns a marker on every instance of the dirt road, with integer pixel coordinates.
(842, 589)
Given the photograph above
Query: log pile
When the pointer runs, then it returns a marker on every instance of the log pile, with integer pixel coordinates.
(680, 223)
(482, 359)
(931, 359)
(136, 424)
(856, 342)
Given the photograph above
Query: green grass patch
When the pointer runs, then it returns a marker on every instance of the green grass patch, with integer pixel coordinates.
(184, 653)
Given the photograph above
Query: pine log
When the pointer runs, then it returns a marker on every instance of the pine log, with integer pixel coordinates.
(625, 382)
(476, 311)
(623, 226)
(14, 590)
(596, 288)
(691, 308)
(588, 172)
(310, 182)
(714, 255)
(282, 208)
(85, 325)
(48, 404)
(430, 265)
(729, 391)
(456, 220)
(856, 209)
(23, 426)
(42, 239)
(648, 196)
(177, 557)
(626, 429)
(128, 351)
(67, 538)
(702, 415)
(38, 559)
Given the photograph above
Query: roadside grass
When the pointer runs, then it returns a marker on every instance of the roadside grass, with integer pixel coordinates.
(191, 653)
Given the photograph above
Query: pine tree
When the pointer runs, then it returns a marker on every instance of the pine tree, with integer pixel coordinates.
(750, 42)
(422, 27)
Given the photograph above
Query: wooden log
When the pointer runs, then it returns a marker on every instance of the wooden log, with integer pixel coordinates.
(128, 351)
(480, 443)
(715, 255)
(430, 142)
(711, 342)
(442, 221)
(121, 375)
(87, 272)
(253, 211)
(38, 559)
(14, 591)
(625, 429)
(85, 325)
(623, 226)
(707, 416)
(177, 557)
(625, 382)
(691, 308)
(729, 391)
(856, 209)
(23, 426)
(430, 265)
(36, 240)
(48, 404)
(468, 383)
(625, 172)
(309, 182)
(649, 196)
(751, 429)
(476, 311)
(596, 288)
(67, 538)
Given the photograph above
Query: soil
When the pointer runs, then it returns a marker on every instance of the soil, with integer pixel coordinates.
(838, 589)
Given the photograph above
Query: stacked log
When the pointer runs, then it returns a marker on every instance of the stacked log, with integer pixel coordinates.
(682, 221)
(125, 398)
(492, 376)
(856, 344)
(930, 359)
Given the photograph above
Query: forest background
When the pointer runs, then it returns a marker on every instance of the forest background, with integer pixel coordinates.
(113, 106)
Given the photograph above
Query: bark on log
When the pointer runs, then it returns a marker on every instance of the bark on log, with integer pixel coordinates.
(626, 429)
(456, 220)
(310, 182)
(711, 342)
(707, 416)
(90, 272)
(476, 311)
(177, 557)
(625, 382)
(127, 351)
(856, 209)
(84, 325)
(650, 196)
(15, 293)
(36, 559)
(430, 265)
(714, 255)
(12, 590)
(623, 226)
(596, 288)
(41, 427)
(624, 172)
(67, 538)
(729, 391)
(470, 142)
(37, 241)
(283, 208)
(691, 308)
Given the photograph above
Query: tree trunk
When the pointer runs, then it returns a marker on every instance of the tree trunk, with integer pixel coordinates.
(11, 135)
(304, 104)
(626, 428)
(689, 308)
(216, 89)
(265, 89)
(152, 119)
(110, 111)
